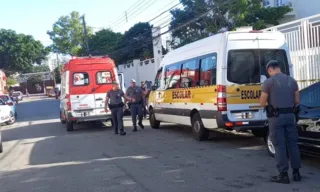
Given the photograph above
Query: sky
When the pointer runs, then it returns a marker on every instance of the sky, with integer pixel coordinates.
(35, 17)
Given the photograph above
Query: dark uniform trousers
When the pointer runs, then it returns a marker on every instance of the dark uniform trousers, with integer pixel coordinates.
(117, 118)
(136, 109)
(284, 136)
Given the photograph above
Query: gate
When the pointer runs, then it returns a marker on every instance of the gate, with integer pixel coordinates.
(303, 38)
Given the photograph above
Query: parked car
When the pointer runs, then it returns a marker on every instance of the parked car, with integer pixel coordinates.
(17, 96)
(6, 116)
(9, 102)
(309, 122)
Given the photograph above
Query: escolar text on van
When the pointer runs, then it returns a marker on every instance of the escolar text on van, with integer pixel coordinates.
(215, 82)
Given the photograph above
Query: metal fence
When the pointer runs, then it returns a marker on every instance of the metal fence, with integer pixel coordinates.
(303, 38)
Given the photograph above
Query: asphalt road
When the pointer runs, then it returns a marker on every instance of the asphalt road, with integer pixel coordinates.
(41, 156)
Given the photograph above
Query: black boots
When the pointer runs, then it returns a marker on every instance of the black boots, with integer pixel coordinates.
(123, 133)
(296, 175)
(284, 178)
(141, 125)
(281, 178)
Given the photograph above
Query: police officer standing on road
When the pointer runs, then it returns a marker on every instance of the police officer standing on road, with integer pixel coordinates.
(280, 94)
(144, 100)
(136, 103)
(116, 106)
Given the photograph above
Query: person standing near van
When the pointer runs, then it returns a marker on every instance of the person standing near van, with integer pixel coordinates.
(116, 105)
(280, 94)
(136, 103)
(143, 87)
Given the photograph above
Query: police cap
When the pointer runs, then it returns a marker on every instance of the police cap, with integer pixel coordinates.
(273, 63)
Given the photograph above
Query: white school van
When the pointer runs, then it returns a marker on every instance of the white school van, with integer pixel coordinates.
(216, 82)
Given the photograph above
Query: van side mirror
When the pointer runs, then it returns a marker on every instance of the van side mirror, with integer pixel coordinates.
(153, 88)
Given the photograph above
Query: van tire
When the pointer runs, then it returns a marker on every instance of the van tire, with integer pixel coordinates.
(69, 126)
(199, 132)
(1, 147)
(153, 121)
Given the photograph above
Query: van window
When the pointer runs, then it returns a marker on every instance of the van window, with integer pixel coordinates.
(80, 79)
(189, 74)
(157, 81)
(172, 76)
(208, 70)
(104, 77)
(246, 66)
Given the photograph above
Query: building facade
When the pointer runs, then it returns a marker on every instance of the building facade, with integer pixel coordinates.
(301, 8)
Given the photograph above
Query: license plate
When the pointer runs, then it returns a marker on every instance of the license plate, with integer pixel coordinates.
(85, 113)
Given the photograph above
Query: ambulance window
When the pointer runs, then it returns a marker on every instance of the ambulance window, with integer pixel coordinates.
(189, 77)
(208, 70)
(104, 77)
(172, 76)
(80, 79)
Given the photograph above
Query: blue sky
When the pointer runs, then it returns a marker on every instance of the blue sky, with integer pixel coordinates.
(35, 17)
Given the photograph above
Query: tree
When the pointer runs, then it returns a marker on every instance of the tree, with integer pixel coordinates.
(40, 68)
(11, 81)
(67, 35)
(18, 52)
(104, 42)
(211, 16)
(57, 74)
(136, 43)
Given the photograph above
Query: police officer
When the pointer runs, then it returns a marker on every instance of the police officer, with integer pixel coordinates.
(280, 93)
(136, 103)
(116, 106)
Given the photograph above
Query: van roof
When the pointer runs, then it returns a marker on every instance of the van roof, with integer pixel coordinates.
(209, 45)
(86, 63)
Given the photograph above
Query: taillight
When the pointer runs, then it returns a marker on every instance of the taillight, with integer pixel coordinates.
(68, 102)
(222, 98)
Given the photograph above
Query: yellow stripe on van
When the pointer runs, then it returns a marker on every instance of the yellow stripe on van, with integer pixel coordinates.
(241, 94)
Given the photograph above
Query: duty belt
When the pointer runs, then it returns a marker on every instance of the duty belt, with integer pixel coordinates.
(285, 110)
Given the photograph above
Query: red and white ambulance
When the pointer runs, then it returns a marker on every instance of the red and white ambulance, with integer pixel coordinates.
(84, 84)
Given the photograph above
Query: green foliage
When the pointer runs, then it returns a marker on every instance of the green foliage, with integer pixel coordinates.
(67, 35)
(222, 14)
(18, 52)
(133, 44)
(57, 74)
(11, 81)
(40, 68)
(35, 79)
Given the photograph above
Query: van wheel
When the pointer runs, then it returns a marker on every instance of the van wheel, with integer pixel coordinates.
(70, 126)
(270, 147)
(153, 121)
(199, 132)
(62, 120)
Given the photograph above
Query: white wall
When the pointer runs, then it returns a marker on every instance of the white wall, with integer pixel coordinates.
(138, 70)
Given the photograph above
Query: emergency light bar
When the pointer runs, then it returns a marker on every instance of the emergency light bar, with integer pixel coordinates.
(86, 57)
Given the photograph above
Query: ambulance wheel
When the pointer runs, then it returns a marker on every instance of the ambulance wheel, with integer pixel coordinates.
(199, 132)
(153, 121)
(70, 126)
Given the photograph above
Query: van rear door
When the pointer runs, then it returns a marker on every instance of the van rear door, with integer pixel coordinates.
(248, 54)
(81, 93)
(102, 84)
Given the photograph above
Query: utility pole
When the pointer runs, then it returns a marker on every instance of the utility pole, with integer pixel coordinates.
(85, 39)
(126, 16)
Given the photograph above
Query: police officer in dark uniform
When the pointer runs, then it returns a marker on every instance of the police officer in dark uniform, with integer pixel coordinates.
(116, 105)
(136, 103)
(143, 87)
(280, 95)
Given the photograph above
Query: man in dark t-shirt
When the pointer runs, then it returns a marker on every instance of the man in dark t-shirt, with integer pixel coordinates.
(137, 94)
(116, 105)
